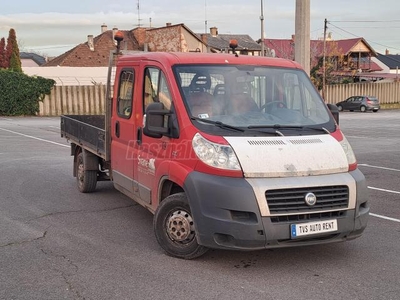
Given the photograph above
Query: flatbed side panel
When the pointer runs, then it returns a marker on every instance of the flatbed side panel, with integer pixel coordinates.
(86, 131)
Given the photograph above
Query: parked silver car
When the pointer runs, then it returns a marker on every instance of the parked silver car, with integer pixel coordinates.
(361, 103)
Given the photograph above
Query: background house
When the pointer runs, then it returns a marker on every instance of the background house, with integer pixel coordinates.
(390, 63)
(170, 38)
(86, 63)
(218, 43)
(347, 55)
(95, 52)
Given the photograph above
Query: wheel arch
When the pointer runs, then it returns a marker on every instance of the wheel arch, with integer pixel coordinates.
(168, 187)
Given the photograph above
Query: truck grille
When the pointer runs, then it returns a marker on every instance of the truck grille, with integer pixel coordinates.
(293, 200)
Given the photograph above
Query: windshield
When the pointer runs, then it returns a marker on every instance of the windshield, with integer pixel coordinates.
(251, 97)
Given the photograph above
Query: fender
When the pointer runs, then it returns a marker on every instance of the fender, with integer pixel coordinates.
(169, 170)
(90, 161)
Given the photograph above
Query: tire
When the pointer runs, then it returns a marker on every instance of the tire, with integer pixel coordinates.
(174, 228)
(86, 180)
(363, 108)
(340, 108)
(375, 110)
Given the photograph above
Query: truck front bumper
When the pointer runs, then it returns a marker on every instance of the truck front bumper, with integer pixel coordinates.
(229, 213)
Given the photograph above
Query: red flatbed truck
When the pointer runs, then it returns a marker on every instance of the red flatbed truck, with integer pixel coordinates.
(227, 151)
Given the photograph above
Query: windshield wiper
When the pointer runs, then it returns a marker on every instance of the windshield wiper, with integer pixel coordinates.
(234, 128)
(322, 129)
(218, 124)
(278, 126)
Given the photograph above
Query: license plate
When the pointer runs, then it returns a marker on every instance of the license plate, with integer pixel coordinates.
(304, 229)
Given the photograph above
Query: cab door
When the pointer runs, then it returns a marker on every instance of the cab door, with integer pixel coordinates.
(123, 132)
(152, 153)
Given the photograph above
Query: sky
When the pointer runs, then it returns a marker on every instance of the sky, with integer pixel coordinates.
(51, 27)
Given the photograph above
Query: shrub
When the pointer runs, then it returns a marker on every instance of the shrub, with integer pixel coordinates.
(20, 94)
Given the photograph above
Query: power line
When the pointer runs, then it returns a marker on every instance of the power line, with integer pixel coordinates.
(371, 42)
(368, 21)
(368, 27)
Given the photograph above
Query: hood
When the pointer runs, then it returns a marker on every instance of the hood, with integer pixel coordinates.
(289, 156)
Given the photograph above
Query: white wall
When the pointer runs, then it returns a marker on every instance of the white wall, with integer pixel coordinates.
(27, 62)
(70, 75)
(381, 64)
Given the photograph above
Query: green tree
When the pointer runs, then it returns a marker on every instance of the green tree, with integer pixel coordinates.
(3, 54)
(333, 64)
(12, 52)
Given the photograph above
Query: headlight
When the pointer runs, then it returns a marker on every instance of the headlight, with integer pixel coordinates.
(215, 155)
(351, 158)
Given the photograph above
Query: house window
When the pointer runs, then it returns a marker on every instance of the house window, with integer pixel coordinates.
(125, 94)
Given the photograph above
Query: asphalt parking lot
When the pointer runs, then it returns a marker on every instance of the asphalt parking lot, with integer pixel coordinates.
(56, 243)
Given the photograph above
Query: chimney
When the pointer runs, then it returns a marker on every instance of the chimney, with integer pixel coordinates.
(103, 28)
(168, 24)
(214, 31)
(204, 38)
(115, 29)
(90, 42)
(140, 35)
(387, 52)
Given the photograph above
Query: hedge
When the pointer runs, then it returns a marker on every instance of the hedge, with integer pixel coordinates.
(20, 94)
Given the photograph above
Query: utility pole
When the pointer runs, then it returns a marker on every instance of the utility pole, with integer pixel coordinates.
(324, 62)
(262, 29)
(302, 34)
(138, 9)
(205, 17)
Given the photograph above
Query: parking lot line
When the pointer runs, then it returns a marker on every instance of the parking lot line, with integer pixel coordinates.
(35, 138)
(376, 167)
(383, 190)
(384, 217)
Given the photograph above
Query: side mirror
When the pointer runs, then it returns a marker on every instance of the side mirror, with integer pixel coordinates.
(334, 111)
(154, 120)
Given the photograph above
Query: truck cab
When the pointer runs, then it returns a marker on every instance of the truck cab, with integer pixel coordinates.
(231, 152)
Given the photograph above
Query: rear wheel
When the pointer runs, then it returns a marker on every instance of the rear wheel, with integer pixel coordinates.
(375, 110)
(85, 179)
(174, 228)
(363, 108)
(340, 108)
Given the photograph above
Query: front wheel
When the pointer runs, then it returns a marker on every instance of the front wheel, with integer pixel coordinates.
(363, 108)
(86, 179)
(340, 108)
(174, 228)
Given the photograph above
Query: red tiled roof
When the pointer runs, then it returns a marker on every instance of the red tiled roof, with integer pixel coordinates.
(82, 56)
(284, 48)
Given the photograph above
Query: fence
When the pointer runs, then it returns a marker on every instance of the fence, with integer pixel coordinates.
(74, 100)
(83, 100)
(387, 93)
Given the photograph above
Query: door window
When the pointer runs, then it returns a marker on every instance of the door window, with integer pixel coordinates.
(125, 94)
(155, 88)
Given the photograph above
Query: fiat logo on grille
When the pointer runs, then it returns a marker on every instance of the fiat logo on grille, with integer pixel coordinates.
(310, 199)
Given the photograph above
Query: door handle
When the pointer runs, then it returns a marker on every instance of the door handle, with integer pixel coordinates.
(117, 129)
(139, 135)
